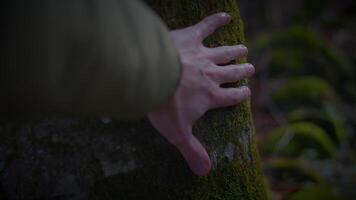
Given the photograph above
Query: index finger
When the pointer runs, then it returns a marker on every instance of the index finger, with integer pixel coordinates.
(209, 24)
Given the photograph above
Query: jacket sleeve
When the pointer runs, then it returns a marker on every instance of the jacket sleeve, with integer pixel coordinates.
(111, 58)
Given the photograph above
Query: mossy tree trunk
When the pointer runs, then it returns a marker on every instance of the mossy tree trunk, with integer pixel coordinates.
(103, 159)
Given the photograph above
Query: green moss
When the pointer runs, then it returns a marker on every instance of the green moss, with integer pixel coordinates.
(304, 91)
(291, 170)
(299, 139)
(227, 183)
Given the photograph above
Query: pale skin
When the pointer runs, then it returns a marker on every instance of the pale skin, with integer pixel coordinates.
(200, 88)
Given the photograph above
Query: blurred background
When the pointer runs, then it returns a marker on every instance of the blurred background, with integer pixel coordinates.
(304, 95)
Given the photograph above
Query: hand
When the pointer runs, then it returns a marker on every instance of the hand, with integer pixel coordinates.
(199, 89)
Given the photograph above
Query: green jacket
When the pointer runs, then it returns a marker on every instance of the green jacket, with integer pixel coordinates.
(109, 58)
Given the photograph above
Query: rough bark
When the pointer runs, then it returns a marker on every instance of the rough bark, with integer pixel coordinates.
(60, 158)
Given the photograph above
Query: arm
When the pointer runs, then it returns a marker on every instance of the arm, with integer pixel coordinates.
(90, 59)
(83, 57)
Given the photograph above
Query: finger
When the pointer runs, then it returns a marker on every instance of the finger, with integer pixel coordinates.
(230, 96)
(225, 54)
(232, 73)
(209, 24)
(195, 155)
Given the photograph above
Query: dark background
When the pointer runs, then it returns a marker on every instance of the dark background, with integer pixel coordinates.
(304, 94)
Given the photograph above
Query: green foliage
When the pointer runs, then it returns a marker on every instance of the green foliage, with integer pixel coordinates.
(315, 88)
(323, 192)
(302, 51)
(350, 90)
(269, 192)
(286, 60)
(311, 9)
(330, 122)
(291, 170)
(304, 91)
(299, 139)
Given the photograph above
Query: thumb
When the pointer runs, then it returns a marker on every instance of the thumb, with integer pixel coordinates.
(195, 155)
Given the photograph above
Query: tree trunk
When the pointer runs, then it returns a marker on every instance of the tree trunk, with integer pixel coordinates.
(106, 159)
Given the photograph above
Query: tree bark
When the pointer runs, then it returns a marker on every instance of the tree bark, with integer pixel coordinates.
(60, 158)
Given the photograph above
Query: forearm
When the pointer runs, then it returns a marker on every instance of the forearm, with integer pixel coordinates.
(105, 58)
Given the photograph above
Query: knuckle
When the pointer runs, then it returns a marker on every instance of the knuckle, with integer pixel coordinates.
(206, 63)
(221, 17)
(209, 72)
(212, 20)
(206, 74)
(227, 54)
(199, 32)
(243, 50)
(213, 74)
(244, 71)
(233, 97)
(241, 94)
(213, 96)
(229, 99)
(237, 71)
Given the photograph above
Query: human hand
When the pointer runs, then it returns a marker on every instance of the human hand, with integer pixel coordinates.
(199, 88)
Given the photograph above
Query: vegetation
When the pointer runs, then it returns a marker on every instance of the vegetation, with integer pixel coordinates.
(304, 91)
(299, 139)
(305, 104)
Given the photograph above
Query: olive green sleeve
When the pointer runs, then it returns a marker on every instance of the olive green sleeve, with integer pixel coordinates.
(110, 58)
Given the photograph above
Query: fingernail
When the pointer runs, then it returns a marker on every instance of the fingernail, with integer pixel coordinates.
(225, 15)
(249, 69)
(243, 48)
(249, 65)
